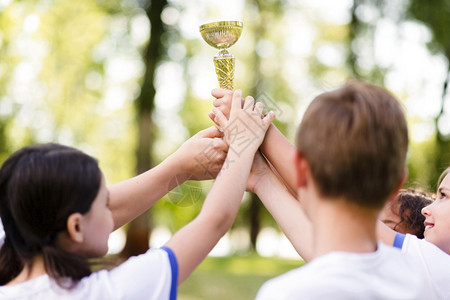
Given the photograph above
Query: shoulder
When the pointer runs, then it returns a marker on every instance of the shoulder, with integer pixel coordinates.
(154, 258)
(153, 273)
(413, 246)
(341, 275)
(43, 287)
(431, 262)
(145, 276)
(282, 286)
(308, 280)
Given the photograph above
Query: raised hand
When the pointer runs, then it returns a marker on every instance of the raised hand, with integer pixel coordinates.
(201, 157)
(223, 102)
(246, 126)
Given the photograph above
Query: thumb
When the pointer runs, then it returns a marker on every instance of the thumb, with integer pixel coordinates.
(210, 132)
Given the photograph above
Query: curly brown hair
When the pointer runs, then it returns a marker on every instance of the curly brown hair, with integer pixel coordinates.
(409, 209)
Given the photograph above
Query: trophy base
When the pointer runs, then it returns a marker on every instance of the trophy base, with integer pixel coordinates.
(225, 71)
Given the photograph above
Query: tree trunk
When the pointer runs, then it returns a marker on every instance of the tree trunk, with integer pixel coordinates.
(254, 210)
(253, 216)
(138, 234)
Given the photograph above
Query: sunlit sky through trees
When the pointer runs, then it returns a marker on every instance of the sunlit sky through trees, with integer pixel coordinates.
(71, 70)
(413, 74)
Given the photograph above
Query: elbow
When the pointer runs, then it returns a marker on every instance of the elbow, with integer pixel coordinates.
(218, 222)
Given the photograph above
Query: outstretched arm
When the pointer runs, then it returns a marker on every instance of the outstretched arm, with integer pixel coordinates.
(244, 132)
(385, 234)
(199, 158)
(284, 208)
(276, 147)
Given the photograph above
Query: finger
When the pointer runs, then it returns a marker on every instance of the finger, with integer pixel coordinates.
(268, 118)
(220, 118)
(219, 93)
(249, 103)
(211, 115)
(217, 102)
(222, 146)
(236, 101)
(259, 108)
(210, 132)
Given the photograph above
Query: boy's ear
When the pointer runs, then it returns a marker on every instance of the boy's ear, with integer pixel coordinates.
(74, 227)
(301, 167)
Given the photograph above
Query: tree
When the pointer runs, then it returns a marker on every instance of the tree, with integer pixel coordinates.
(139, 229)
(436, 15)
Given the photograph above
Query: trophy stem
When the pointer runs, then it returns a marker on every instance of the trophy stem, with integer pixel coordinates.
(224, 65)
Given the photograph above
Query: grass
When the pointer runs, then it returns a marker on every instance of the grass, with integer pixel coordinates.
(236, 277)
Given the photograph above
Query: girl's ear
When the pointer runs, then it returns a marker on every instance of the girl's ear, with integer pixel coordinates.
(74, 227)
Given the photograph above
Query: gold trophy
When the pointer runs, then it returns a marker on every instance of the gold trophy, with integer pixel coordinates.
(222, 35)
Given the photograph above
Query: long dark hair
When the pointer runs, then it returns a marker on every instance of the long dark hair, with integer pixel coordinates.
(40, 186)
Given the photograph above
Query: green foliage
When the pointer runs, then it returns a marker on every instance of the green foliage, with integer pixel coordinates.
(195, 114)
(436, 15)
(52, 75)
(237, 277)
(58, 82)
(181, 205)
(421, 173)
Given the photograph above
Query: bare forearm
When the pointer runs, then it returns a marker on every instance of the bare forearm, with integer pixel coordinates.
(385, 234)
(245, 134)
(288, 213)
(231, 181)
(216, 217)
(132, 197)
(279, 152)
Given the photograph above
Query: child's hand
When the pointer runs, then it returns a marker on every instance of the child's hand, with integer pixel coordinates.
(260, 170)
(246, 125)
(202, 155)
(223, 102)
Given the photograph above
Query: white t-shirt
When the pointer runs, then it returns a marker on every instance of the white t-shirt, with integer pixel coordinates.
(432, 262)
(152, 275)
(383, 274)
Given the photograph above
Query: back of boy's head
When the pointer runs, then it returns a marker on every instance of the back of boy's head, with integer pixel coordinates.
(40, 186)
(355, 141)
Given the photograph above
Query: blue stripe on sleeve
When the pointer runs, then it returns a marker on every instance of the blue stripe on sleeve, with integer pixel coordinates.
(174, 268)
(398, 240)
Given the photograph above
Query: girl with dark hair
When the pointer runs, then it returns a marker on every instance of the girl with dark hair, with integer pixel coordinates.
(199, 158)
(54, 205)
(404, 213)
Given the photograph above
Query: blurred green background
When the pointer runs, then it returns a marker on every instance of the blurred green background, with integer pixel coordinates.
(128, 81)
(236, 277)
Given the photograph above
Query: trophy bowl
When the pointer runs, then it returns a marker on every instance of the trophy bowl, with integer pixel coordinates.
(221, 35)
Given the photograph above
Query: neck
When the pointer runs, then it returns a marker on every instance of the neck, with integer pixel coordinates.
(34, 269)
(340, 226)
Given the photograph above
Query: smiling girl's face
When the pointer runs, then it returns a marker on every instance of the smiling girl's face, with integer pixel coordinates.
(437, 217)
